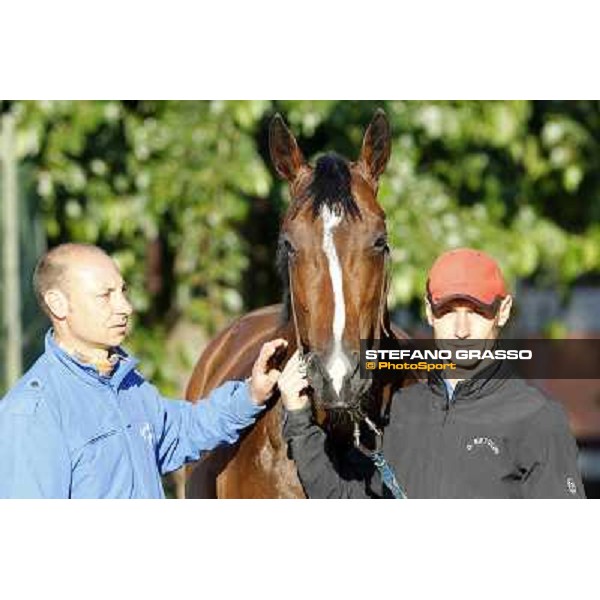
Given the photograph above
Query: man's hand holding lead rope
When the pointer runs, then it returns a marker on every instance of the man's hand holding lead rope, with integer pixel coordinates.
(293, 384)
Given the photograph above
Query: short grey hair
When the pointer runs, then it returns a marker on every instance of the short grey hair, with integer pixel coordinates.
(51, 269)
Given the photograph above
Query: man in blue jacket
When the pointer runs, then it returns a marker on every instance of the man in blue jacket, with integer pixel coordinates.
(83, 422)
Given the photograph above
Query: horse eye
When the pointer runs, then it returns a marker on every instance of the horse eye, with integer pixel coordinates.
(289, 247)
(381, 243)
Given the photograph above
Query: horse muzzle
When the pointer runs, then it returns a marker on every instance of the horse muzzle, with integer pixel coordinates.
(353, 389)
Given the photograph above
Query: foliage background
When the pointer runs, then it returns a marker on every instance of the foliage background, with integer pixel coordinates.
(184, 197)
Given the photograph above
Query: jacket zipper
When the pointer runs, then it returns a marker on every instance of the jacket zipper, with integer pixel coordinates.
(443, 444)
(448, 403)
(126, 433)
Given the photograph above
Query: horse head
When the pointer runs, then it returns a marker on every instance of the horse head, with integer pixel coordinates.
(333, 255)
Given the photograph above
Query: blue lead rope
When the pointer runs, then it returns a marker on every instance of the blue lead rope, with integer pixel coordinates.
(388, 476)
(385, 470)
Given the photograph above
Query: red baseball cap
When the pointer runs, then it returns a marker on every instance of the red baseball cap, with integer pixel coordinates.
(466, 274)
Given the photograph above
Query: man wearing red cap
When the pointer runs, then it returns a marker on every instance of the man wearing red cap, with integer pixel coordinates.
(466, 299)
(485, 434)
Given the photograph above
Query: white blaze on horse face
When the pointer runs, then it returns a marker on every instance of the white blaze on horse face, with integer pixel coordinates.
(337, 365)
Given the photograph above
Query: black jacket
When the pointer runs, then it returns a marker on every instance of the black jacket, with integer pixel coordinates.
(496, 438)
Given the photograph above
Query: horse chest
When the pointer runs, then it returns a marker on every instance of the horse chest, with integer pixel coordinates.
(260, 467)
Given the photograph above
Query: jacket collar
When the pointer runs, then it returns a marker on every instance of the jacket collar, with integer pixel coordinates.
(87, 372)
(485, 381)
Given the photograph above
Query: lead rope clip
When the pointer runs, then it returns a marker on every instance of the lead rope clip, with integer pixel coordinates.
(381, 464)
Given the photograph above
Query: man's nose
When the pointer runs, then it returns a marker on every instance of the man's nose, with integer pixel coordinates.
(462, 326)
(123, 306)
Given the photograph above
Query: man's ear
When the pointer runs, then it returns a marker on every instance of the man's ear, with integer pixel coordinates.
(504, 311)
(428, 310)
(57, 303)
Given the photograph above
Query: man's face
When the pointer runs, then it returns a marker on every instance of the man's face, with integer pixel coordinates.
(464, 320)
(97, 310)
(459, 322)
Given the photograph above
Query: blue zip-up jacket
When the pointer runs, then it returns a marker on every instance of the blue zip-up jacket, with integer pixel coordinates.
(68, 432)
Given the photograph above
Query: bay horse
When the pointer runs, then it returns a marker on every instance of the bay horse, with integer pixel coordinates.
(332, 257)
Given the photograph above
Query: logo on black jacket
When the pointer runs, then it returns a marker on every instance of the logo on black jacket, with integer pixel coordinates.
(483, 441)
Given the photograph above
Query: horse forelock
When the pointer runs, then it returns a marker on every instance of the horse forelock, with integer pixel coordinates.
(330, 186)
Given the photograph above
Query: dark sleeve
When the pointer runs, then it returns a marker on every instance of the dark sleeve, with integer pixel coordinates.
(551, 454)
(320, 474)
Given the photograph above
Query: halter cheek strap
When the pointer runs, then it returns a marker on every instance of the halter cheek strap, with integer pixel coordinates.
(384, 328)
(377, 458)
(299, 344)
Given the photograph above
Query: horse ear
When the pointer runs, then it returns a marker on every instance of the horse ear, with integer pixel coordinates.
(377, 146)
(286, 155)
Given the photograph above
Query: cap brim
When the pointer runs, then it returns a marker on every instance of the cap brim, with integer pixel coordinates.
(489, 310)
